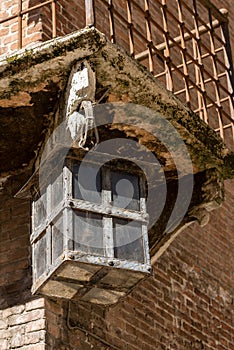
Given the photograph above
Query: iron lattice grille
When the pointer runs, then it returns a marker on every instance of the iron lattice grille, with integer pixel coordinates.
(184, 43)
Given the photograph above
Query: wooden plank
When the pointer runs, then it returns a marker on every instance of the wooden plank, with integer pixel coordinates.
(68, 230)
(67, 180)
(146, 244)
(107, 210)
(89, 13)
(108, 241)
(48, 239)
(38, 231)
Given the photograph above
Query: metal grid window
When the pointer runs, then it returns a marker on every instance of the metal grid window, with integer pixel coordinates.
(118, 205)
(103, 218)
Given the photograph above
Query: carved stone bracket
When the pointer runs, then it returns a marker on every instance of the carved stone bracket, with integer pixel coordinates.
(81, 86)
(208, 195)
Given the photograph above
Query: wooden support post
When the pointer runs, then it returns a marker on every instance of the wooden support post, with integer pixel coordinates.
(89, 13)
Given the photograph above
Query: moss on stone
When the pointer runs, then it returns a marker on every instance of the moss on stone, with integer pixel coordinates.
(87, 40)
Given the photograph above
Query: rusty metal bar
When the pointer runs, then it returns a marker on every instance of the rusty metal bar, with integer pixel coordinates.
(192, 82)
(169, 78)
(192, 35)
(36, 7)
(148, 35)
(4, 20)
(176, 44)
(202, 30)
(211, 105)
(22, 12)
(216, 78)
(53, 12)
(89, 13)
(226, 126)
(19, 16)
(111, 20)
(223, 11)
(198, 72)
(229, 68)
(130, 28)
(183, 53)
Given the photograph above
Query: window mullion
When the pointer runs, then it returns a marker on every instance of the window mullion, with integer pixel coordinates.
(145, 244)
(144, 227)
(48, 245)
(67, 213)
(142, 195)
(108, 237)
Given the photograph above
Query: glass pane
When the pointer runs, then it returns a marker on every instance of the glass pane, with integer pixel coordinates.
(128, 244)
(125, 190)
(40, 256)
(87, 183)
(39, 214)
(88, 232)
(57, 191)
(57, 238)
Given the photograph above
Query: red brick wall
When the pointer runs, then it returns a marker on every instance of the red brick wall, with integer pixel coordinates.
(23, 326)
(37, 24)
(15, 261)
(186, 304)
(70, 15)
(31, 26)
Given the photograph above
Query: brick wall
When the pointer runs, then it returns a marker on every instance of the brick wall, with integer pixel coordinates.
(31, 26)
(15, 261)
(70, 15)
(37, 24)
(186, 304)
(23, 326)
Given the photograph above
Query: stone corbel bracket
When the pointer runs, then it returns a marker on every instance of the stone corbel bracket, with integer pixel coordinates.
(80, 94)
(81, 86)
(209, 194)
